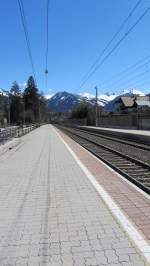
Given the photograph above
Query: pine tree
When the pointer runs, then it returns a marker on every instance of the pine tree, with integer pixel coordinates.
(15, 89)
(31, 101)
(43, 108)
(15, 104)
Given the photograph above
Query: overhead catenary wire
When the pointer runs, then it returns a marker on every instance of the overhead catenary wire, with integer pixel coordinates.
(145, 83)
(47, 41)
(139, 83)
(124, 82)
(116, 45)
(129, 70)
(112, 39)
(24, 24)
(131, 75)
(132, 81)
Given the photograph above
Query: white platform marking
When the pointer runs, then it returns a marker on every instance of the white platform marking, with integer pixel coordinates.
(134, 235)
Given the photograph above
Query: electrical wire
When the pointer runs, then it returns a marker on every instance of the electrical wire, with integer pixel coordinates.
(116, 45)
(138, 65)
(138, 82)
(112, 39)
(128, 82)
(132, 74)
(24, 24)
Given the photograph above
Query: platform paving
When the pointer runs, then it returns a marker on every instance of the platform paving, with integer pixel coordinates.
(50, 214)
(132, 201)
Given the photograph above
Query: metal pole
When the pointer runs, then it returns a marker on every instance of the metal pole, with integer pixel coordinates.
(96, 108)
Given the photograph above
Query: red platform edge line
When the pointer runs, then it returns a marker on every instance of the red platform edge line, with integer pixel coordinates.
(134, 204)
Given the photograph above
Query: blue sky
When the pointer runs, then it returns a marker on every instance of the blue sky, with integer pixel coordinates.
(78, 31)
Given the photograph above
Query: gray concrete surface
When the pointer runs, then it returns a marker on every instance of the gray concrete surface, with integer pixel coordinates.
(124, 130)
(51, 215)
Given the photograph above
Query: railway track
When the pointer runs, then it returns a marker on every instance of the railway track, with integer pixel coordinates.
(134, 168)
(105, 135)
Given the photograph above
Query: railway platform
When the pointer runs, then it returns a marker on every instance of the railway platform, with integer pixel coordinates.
(133, 134)
(61, 206)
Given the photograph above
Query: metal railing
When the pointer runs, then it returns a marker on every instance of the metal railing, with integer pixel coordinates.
(14, 132)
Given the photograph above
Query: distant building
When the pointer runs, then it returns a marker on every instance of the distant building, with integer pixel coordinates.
(142, 103)
(126, 104)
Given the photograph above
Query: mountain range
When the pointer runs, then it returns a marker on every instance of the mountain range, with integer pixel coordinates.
(65, 101)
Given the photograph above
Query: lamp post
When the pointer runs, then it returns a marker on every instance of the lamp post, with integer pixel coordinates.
(96, 107)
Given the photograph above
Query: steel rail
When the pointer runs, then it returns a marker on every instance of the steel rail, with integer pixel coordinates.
(133, 169)
(132, 143)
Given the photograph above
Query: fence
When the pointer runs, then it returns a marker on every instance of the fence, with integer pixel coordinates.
(133, 121)
(12, 132)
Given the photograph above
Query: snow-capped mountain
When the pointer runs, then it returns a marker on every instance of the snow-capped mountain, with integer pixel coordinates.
(87, 95)
(48, 96)
(3, 92)
(131, 92)
(65, 101)
(102, 99)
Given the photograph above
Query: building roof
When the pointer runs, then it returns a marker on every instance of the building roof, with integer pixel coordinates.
(141, 103)
(143, 98)
(128, 101)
